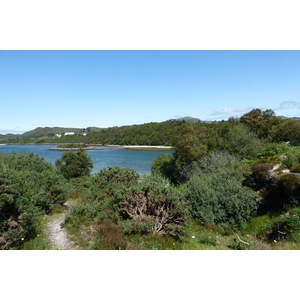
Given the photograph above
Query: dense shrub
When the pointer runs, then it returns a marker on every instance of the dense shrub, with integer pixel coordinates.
(74, 164)
(289, 131)
(216, 194)
(260, 175)
(240, 141)
(287, 228)
(283, 193)
(80, 187)
(295, 169)
(100, 202)
(116, 175)
(29, 187)
(291, 158)
(109, 184)
(154, 206)
(167, 166)
(273, 149)
(218, 161)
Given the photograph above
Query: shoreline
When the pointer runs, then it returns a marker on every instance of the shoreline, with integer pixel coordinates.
(94, 147)
(107, 147)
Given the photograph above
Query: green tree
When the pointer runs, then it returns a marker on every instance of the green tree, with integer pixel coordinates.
(261, 122)
(190, 144)
(239, 140)
(167, 166)
(289, 131)
(74, 164)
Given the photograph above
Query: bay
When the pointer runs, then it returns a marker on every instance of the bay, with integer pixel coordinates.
(138, 160)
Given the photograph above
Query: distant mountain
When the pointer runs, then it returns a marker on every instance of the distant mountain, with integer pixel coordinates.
(293, 118)
(189, 119)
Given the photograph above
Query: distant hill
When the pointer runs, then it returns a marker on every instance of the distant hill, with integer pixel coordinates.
(286, 118)
(189, 119)
(44, 131)
(5, 137)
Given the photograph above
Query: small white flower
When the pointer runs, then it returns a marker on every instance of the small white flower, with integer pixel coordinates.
(193, 237)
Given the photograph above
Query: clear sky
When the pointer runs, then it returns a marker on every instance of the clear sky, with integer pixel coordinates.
(114, 88)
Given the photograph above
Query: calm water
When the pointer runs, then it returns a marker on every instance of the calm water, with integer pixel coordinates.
(138, 160)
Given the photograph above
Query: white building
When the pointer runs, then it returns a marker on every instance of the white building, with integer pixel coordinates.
(69, 133)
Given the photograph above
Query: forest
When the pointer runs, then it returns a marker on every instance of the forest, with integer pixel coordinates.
(228, 185)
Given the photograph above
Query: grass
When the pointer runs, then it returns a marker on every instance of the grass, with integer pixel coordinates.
(40, 242)
(257, 225)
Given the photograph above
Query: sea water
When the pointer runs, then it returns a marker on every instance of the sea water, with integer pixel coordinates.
(138, 160)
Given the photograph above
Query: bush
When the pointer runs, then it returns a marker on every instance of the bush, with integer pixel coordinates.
(240, 141)
(287, 228)
(291, 158)
(29, 187)
(155, 207)
(167, 166)
(273, 149)
(260, 175)
(296, 168)
(101, 199)
(292, 225)
(283, 193)
(74, 164)
(110, 184)
(218, 161)
(216, 194)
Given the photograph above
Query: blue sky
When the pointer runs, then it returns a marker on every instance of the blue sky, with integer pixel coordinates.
(114, 88)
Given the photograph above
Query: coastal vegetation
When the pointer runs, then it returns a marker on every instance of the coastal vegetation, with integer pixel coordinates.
(228, 185)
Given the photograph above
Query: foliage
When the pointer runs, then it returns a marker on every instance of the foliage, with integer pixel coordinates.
(144, 134)
(260, 175)
(190, 144)
(283, 193)
(216, 161)
(289, 131)
(74, 164)
(273, 150)
(287, 228)
(261, 122)
(72, 146)
(258, 225)
(292, 225)
(295, 169)
(291, 158)
(112, 182)
(29, 187)
(216, 194)
(155, 206)
(240, 141)
(167, 166)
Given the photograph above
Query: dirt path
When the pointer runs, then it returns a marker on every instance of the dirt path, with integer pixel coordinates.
(58, 235)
